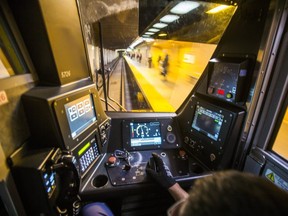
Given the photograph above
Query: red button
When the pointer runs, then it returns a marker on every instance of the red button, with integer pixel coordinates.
(112, 160)
(182, 153)
(221, 91)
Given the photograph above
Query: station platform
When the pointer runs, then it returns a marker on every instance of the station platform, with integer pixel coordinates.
(165, 94)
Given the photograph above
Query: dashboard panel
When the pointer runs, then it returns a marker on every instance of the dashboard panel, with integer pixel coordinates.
(210, 132)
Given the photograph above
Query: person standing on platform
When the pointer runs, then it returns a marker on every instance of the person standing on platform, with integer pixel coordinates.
(165, 65)
(150, 61)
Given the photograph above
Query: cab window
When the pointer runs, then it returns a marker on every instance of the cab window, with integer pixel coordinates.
(164, 58)
(280, 144)
(11, 61)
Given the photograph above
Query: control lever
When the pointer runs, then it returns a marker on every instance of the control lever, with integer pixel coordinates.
(126, 156)
(152, 164)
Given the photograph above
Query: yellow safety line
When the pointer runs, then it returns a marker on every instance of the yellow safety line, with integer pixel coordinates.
(158, 103)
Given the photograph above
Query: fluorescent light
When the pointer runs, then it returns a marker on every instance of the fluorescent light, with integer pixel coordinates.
(218, 9)
(136, 42)
(148, 40)
(169, 18)
(184, 7)
(153, 30)
(149, 33)
(162, 34)
(159, 25)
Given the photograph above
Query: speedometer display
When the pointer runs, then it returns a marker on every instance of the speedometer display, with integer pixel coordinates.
(145, 133)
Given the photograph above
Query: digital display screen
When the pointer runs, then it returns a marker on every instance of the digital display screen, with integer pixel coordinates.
(145, 134)
(207, 122)
(80, 114)
(84, 148)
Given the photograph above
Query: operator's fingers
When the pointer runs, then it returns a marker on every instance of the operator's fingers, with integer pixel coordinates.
(158, 159)
(150, 171)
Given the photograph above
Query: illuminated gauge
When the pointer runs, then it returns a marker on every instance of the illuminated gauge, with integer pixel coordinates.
(142, 131)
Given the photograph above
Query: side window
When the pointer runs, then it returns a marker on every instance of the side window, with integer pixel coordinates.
(280, 145)
(11, 61)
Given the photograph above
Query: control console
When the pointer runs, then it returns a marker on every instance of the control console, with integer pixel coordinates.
(126, 168)
(211, 135)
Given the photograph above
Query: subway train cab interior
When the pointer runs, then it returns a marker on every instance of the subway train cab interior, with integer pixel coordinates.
(66, 142)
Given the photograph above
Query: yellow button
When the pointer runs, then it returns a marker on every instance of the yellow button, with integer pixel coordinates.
(229, 95)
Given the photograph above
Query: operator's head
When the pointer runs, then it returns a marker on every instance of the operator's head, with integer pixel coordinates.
(232, 193)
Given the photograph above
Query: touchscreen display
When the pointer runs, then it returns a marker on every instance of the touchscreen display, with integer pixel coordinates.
(145, 134)
(80, 114)
(207, 122)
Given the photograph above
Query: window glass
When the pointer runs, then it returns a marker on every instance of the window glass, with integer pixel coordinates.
(280, 145)
(163, 58)
(11, 62)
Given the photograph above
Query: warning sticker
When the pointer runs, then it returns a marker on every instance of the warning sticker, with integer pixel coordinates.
(3, 98)
(273, 177)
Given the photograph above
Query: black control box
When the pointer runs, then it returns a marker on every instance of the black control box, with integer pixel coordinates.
(36, 182)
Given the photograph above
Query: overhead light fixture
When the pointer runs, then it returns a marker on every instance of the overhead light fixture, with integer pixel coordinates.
(169, 18)
(218, 9)
(153, 30)
(184, 7)
(159, 25)
(162, 34)
(148, 40)
(149, 33)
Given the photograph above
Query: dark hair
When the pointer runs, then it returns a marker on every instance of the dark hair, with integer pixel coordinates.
(228, 193)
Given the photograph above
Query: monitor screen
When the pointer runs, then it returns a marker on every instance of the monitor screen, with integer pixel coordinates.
(80, 114)
(145, 134)
(207, 122)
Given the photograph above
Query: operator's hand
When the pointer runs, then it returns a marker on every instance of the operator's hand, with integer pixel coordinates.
(162, 173)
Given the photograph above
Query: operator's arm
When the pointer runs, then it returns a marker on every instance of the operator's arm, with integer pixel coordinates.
(177, 192)
(164, 177)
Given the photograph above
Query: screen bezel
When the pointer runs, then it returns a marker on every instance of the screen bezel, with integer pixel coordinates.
(224, 131)
(62, 121)
(202, 130)
(79, 130)
(164, 124)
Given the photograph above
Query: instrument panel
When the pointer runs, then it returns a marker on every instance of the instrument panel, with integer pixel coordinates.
(228, 77)
(152, 133)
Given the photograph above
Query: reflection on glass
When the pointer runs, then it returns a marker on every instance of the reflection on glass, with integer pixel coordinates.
(184, 7)
(280, 145)
(169, 18)
(159, 25)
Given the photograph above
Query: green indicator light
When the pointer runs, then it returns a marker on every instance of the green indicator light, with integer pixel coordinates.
(82, 150)
(229, 95)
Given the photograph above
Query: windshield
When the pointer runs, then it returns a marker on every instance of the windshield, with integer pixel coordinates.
(147, 56)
